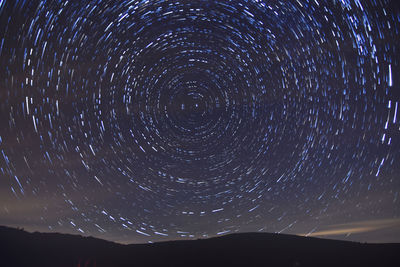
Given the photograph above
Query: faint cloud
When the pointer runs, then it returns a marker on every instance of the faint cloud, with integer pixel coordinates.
(354, 227)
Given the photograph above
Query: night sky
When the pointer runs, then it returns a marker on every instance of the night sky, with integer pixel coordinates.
(144, 121)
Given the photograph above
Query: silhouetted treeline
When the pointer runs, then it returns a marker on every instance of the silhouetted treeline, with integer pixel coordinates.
(20, 248)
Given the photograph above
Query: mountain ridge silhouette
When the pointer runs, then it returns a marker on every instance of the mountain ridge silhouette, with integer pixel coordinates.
(21, 248)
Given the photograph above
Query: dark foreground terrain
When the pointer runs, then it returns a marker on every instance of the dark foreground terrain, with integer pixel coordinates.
(20, 248)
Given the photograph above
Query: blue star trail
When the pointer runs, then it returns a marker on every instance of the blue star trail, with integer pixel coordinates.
(143, 121)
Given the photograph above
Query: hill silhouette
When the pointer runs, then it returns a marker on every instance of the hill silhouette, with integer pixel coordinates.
(20, 248)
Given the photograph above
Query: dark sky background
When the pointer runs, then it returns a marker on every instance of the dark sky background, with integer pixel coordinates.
(143, 121)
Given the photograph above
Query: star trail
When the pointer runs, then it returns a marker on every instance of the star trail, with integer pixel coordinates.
(143, 121)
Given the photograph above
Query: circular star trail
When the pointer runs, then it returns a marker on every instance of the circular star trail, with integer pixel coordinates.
(155, 120)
